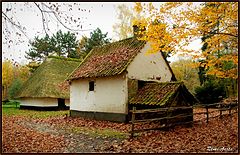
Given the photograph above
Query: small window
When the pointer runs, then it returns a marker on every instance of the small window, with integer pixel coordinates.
(91, 86)
(140, 84)
(158, 78)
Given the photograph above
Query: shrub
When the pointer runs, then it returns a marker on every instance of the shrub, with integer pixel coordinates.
(14, 88)
(211, 92)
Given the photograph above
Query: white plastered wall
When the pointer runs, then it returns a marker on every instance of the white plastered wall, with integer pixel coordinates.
(109, 95)
(149, 67)
(38, 102)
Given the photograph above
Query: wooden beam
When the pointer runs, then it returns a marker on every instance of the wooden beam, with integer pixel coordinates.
(158, 119)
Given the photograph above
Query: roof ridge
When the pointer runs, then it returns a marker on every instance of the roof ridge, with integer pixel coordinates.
(159, 82)
(63, 58)
(107, 60)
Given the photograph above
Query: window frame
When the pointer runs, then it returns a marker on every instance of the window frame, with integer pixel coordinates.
(91, 85)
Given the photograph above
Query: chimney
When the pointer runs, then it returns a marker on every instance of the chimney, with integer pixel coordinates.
(136, 29)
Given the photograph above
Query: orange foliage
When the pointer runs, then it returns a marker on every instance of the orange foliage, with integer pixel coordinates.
(175, 24)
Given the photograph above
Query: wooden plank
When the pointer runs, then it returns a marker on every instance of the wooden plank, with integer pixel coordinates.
(133, 120)
(163, 126)
(148, 110)
(183, 123)
(205, 105)
(159, 109)
(230, 108)
(141, 130)
(220, 113)
(210, 112)
(158, 119)
(199, 113)
(173, 108)
(207, 113)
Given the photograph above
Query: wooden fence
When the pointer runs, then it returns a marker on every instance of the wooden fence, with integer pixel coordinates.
(220, 107)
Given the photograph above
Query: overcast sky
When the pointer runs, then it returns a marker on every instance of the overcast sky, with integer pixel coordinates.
(102, 15)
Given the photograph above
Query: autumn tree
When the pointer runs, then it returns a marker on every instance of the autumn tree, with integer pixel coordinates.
(123, 28)
(81, 46)
(180, 23)
(7, 77)
(13, 75)
(97, 38)
(230, 84)
(184, 71)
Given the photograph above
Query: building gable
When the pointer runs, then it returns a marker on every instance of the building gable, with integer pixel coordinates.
(150, 67)
(108, 60)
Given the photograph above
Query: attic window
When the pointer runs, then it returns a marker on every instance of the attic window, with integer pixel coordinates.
(158, 78)
(91, 86)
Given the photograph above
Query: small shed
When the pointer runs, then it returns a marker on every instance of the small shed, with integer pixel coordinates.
(46, 88)
(164, 95)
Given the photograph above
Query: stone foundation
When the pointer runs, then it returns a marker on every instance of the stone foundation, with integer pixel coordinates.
(114, 117)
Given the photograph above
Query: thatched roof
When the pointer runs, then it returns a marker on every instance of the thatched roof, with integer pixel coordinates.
(108, 60)
(160, 93)
(47, 80)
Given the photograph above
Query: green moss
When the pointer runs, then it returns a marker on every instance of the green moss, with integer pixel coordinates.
(132, 88)
(157, 93)
(108, 60)
(46, 80)
(13, 111)
(97, 132)
(64, 58)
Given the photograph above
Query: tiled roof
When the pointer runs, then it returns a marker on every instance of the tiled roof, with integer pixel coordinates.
(156, 93)
(108, 60)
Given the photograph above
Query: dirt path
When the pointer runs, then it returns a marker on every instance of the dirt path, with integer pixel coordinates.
(77, 142)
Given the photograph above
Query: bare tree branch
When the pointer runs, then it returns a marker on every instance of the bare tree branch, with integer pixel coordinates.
(43, 19)
(229, 34)
(59, 20)
(16, 25)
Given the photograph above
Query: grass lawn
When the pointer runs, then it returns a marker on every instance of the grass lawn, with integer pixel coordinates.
(12, 109)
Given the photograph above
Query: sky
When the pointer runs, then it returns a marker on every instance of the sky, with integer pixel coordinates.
(98, 14)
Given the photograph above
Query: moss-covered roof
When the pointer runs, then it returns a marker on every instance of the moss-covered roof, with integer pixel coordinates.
(108, 60)
(48, 79)
(158, 93)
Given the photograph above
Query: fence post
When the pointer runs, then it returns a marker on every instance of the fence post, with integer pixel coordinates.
(220, 113)
(167, 119)
(133, 119)
(220, 110)
(231, 119)
(207, 113)
(230, 107)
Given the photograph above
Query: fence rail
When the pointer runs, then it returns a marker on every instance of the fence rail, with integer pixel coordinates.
(218, 106)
